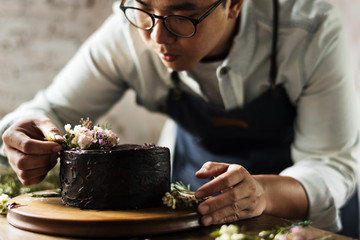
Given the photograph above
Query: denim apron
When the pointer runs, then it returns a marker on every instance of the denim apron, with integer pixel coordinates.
(257, 136)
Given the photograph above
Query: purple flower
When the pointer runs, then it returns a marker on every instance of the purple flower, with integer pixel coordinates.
(88, 136)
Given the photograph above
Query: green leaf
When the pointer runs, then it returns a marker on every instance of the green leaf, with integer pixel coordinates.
(56, 193)
(215, 233)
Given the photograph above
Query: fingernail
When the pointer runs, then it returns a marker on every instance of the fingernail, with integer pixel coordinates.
(57, 148)
(201, 170)
(203, 209)
(59, 138)
(206, 220)
(199, 194)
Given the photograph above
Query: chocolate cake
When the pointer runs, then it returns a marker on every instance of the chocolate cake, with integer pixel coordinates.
(125, 177)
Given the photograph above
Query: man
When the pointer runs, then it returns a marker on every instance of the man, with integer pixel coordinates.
(282, 144)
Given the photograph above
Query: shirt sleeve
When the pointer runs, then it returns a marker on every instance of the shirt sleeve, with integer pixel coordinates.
(325, 148)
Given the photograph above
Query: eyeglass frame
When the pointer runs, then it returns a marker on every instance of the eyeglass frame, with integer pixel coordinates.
(194, 21)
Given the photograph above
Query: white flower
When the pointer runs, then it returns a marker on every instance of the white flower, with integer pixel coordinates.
(98, 128)
(238, 236)
(51, 137)
(230, 232)
(77, 129)
(231, 229)
(4, 199)
(224, 236)
(67, 127)
(113, 140)
(169, 200)
(283, 236)
(9, 190)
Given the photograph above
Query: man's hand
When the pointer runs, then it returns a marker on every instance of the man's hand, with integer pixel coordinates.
(29, 155)
(244, 196)
(241, 195)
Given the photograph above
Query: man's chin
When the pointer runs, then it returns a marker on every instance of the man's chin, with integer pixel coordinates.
(176, 66)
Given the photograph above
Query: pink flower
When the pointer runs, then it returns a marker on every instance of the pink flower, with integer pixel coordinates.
(300, 233)
(84, 141)
(87, 136)
(295, 233)
(83, 137)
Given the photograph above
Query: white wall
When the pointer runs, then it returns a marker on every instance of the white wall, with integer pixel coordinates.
(38, 37)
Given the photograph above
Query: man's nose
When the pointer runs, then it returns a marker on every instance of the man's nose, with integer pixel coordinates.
(160, 34)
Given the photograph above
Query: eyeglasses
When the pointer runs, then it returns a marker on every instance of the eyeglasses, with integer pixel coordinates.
(180, 26)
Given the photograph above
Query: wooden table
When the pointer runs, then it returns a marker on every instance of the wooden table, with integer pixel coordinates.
(8, 232)
(48, 217)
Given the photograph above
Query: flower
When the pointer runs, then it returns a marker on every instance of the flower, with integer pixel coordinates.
(231, 229)
(84, 141)
(180, 196)
(295, 231)
(4, 199)
(87, 136)
(169, 200)
(51, 137)
(229, 232)
(238, 236)
(67, 127)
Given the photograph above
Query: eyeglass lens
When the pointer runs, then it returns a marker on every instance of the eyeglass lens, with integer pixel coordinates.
(178, 25)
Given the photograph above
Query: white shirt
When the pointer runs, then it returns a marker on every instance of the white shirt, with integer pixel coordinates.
(314, 68)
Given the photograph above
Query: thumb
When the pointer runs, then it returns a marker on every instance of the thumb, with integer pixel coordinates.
(50, 131)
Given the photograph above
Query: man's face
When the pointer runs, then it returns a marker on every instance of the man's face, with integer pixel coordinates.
(212, 38)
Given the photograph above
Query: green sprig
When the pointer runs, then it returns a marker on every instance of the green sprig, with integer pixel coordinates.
(55, 193)
(181, 196)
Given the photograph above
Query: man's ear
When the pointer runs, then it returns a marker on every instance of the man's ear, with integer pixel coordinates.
(235, 8)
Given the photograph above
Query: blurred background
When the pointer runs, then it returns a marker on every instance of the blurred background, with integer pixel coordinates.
(38, 37)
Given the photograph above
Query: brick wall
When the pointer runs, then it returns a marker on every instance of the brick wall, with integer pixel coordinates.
(38, 37)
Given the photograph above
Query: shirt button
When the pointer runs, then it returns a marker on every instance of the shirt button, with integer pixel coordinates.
(224, 70)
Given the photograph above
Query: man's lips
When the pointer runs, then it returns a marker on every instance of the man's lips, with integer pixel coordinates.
(168, 57)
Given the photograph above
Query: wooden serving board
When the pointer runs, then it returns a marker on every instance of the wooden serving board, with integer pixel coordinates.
(50, 216)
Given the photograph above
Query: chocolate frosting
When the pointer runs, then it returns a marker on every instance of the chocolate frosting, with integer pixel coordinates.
(126, 177)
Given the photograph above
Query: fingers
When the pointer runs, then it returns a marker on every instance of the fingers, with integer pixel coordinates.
(33, 169)
(33, 177)
(48, 128)
(241, 196)
(226, 176)
(29, 155)
(22, 142)
(26, 162)
(211, 169)
(27, 136)
(229, 214)
(232, 205)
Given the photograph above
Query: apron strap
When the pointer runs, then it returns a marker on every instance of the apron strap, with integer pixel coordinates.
(273, 63)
